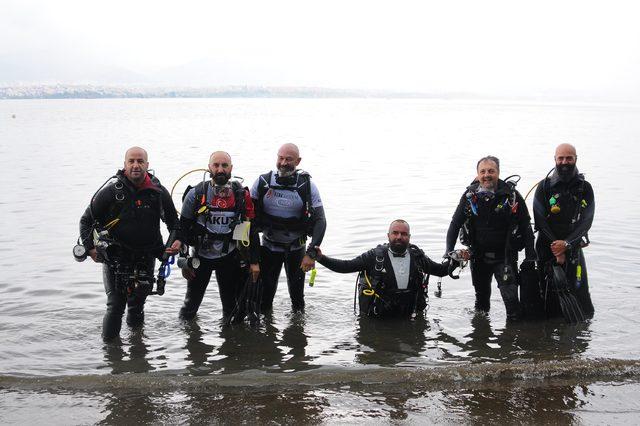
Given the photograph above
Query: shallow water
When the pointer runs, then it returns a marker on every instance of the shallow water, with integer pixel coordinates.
(373, 161)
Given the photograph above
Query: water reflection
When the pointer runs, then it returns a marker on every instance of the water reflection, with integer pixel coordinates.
(294, 341)
(126, 409)
(246, 347)
(135, 361)
(198, 351)
(239, 407)
(548, 405)
(130, 409)
(537, 340)
(389, 342)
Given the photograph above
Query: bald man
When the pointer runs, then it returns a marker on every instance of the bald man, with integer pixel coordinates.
(129, 209)
(563, 209)
(211, 211)
(289, 209)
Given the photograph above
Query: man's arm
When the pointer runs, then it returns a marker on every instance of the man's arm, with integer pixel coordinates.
(86, 228)
(170, 213)
(187, 219)
(438, 269)
(357, 264)
(172, 222)
(98, 206)
(457, 221)
(255, 193)
(319, 226)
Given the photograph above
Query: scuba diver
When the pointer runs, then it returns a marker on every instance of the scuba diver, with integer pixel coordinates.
(289, 209)
(121, 229)
(493, 222)
(215, 219)
(563, 209)
(393, 277)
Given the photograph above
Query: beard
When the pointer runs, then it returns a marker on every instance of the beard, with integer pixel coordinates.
(286, 178)
(398, 246)
(566, 170)
(488, 185)
(285, 171)
(221, 178)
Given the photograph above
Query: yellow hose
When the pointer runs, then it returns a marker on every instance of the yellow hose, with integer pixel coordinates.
(369, 291)
(527, 196)
(184, 175)
(111, 224)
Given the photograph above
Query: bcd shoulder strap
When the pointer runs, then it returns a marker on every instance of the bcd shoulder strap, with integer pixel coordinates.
(240, 205)
(303, 187)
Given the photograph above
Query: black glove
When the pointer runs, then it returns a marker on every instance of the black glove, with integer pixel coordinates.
(453, 264)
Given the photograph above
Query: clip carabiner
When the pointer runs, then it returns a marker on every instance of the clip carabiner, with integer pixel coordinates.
(379, 263)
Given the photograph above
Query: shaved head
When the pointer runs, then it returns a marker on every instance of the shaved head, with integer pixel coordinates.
(565, 159)
(220, 167)
(399, 221)
(289, 149)
(136, 164)
(399, 235)
(136, 150)
(288, 159)
(220, 156)
(565, 149)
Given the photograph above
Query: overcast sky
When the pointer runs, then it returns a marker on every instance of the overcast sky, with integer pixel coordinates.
(479, 46)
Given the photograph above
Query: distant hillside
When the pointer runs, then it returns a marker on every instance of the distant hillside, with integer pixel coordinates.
(90, 91)
(95, 92)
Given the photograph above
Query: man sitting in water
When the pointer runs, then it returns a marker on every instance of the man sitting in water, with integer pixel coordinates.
(392, 282)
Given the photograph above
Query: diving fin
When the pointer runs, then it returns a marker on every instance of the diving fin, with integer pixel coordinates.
(569, 305)
(238, 313)
(254, 299)
(560, 278)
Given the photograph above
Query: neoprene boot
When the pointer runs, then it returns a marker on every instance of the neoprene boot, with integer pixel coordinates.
(483, 302)
(512, 305)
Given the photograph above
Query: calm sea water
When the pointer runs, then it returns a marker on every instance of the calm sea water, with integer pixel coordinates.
(373, 161)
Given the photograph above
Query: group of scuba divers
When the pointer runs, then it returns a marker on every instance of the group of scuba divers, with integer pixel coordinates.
(221, 220)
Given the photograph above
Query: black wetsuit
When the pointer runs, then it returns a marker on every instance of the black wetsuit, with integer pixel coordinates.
(489, 219)
(574, 197)
(285, 232)
(216, 250)
(388, 300)
(138, 242)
